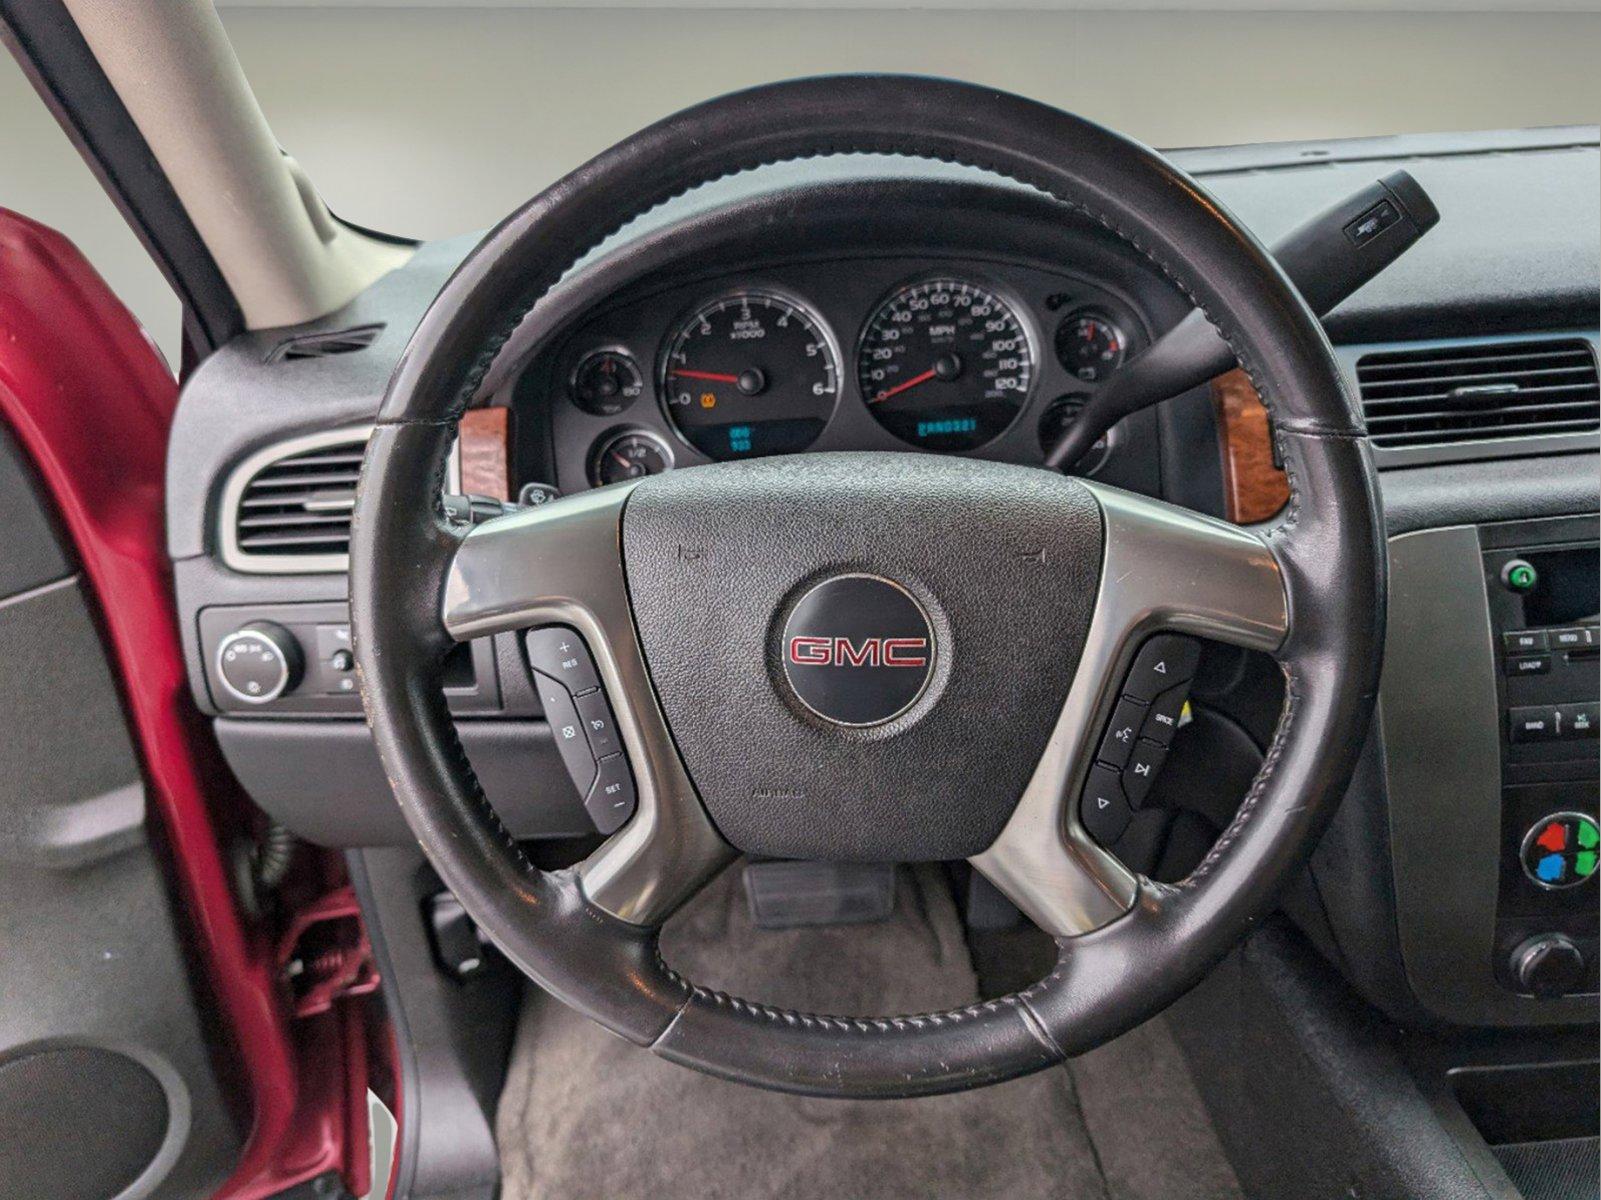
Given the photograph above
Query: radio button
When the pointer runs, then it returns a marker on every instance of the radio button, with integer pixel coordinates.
(1531, 664)
(1534, 724)
(1525, 641)
(1568, 639)
(1579, 720)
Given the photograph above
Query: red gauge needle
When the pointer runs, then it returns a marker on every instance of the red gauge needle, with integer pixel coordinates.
(709, 376)
(901, 387)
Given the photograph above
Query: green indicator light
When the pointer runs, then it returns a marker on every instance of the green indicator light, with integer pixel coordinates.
(1584, 864)
(1589, 835)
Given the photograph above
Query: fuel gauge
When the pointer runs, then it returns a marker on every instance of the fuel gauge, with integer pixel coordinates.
(631, 454)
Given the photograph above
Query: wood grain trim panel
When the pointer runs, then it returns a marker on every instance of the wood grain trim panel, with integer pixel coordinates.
(485, 438)
(1254, 488)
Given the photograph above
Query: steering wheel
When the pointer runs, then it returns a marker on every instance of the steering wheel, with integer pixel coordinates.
(992, 613)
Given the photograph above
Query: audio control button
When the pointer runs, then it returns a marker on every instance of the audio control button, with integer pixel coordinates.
(1104, 811)
(1525, 641)
(1163, 662)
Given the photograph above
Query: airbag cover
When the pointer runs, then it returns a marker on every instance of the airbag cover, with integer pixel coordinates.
(1003, 560)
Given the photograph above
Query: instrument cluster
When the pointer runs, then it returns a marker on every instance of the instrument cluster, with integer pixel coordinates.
(984, 358)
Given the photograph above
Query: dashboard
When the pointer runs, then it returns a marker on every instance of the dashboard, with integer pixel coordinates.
(875, 304)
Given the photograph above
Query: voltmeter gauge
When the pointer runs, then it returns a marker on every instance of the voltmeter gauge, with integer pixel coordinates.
(1090, 346)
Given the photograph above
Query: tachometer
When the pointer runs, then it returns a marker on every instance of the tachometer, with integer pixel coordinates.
(945, 365)
(750, 374)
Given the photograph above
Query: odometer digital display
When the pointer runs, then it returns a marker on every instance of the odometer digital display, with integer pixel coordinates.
(749, 374)
(945, 365)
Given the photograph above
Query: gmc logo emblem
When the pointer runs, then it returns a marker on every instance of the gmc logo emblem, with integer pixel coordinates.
(869, 652)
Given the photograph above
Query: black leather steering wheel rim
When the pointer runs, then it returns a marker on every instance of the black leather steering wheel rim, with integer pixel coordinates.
(1328, 546)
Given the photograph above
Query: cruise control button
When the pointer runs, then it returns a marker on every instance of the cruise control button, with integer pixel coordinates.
(611, 800)
(1121, 732)
(568, 730)
(1532, 664)
(1141, 771)
(561, 654)
(599, 725)
(1162, 662)
(1525, 642)
(1163, 721)
(1536, 724)
(1104, 811)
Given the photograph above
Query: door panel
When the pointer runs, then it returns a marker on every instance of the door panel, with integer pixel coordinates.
(106, 1088)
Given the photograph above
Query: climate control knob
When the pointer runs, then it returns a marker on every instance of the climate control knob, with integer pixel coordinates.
(1547, 965)
(259, 662)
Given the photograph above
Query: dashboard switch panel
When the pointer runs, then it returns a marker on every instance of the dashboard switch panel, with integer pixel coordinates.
(583, 725)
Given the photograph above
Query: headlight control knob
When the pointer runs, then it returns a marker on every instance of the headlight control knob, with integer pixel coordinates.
(1548, 965)
(259, 662)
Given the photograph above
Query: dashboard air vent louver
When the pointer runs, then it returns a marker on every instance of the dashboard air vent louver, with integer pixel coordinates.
(325, 345)
(1447, 394)
(299, 505)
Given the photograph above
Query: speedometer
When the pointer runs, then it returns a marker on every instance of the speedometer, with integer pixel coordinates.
(748, 374)
(945, 365)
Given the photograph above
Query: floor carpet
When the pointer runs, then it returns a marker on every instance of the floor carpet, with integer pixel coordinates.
(585, 1116)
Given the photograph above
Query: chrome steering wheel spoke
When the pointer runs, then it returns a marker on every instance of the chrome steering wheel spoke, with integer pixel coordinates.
(561, 564)
(1163, 568)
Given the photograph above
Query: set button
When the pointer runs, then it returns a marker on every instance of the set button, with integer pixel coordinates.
(1560, 851)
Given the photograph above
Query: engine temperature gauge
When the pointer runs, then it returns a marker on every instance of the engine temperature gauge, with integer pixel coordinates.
(1090, 346)
(631, 454)
(605, 382)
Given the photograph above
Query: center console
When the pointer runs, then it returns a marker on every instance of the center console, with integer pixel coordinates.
(1489, 716)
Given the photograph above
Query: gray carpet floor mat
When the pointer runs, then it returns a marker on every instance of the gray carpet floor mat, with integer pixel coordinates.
(585, 1116)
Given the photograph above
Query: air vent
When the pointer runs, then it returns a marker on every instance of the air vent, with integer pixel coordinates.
(288, 509)
(1443, 395)
(325, 345)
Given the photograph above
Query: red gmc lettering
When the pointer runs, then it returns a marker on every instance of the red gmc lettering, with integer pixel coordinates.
(869, 652)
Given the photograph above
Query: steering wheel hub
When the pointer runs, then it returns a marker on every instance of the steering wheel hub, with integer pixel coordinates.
(882, 640)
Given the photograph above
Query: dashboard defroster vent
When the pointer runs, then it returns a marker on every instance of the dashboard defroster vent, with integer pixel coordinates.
(1446, 394)
(325, 345)
(288, 508)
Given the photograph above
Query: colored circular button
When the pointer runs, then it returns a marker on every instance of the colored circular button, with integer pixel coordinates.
(1561, 850)
(1520, 576)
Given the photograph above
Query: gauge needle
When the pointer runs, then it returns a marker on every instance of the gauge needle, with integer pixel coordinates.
(709, 376)
(901, 387)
